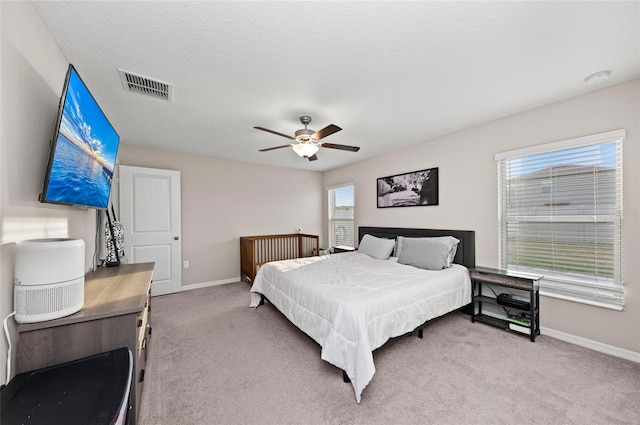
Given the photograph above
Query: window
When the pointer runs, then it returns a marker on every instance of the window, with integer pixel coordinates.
(341, 216)
(561, 217)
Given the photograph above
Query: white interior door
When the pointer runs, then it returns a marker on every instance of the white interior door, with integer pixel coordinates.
(150, 208)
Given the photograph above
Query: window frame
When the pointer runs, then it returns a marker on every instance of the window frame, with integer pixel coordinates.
(330, 218)
(572, 288)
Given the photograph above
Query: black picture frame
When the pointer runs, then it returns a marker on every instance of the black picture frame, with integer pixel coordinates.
(413, 189)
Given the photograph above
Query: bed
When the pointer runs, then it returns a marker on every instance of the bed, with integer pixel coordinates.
(352, 303)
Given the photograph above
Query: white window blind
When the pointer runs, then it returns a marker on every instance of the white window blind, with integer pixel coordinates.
(561, 217)
(341, 215)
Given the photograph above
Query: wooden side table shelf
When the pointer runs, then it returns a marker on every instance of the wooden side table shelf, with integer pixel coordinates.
(523, 283)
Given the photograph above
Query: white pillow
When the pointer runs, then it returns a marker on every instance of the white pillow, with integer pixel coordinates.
(427, 253)
(379, 248)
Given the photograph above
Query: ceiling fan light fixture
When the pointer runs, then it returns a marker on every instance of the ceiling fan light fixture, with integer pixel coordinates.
(308, 142)
(304, 135)
(305, 150)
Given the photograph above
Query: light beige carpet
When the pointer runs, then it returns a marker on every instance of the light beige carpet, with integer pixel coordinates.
(213, 360)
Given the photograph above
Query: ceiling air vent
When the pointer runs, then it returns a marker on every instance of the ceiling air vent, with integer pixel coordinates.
(145, 85)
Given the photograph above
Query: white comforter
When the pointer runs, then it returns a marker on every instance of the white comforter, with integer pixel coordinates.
(351, 304)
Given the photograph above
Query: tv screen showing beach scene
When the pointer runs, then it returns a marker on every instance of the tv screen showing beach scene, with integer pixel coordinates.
(83, 150)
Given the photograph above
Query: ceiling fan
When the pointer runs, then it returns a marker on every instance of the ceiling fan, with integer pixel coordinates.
(307, 142)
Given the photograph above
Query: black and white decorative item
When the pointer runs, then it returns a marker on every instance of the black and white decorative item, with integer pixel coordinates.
(114, 236)
(409, 189)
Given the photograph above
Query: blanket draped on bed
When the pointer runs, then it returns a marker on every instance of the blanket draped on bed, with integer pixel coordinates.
(351, 304)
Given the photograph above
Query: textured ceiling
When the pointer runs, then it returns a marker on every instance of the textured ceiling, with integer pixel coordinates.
(391, 74)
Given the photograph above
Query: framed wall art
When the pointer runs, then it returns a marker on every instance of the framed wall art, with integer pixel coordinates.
(417, 188)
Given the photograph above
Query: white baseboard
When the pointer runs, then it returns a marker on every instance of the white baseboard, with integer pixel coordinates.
(212, 283)
(593, 345)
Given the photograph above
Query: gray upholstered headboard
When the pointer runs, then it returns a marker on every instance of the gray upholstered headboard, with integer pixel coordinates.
(465, 255)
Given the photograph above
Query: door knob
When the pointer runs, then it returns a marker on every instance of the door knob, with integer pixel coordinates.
(176, 237)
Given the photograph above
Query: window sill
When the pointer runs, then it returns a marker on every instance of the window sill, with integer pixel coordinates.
(551, 294)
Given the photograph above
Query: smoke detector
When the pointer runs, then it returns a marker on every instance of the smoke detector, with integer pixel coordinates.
(597, 78)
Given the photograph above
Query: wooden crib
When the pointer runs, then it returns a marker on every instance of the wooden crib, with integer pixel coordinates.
(258, 250)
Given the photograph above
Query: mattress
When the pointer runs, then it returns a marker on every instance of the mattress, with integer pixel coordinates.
(351, 304)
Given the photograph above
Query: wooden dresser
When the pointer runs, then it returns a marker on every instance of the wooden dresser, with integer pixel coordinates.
(116, 314)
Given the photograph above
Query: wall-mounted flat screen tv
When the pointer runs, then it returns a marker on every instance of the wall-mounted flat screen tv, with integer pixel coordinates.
(83, 150)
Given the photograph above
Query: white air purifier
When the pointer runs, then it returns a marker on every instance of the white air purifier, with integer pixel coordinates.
(49, 279)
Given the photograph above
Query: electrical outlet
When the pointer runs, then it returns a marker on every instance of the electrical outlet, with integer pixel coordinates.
(185, 264)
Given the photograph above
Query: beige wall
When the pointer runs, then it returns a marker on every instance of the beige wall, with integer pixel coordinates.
(223, 200)
(469, 199)
(31, 80)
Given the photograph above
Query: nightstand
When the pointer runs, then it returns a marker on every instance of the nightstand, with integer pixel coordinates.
(343, 248)
(523, 310)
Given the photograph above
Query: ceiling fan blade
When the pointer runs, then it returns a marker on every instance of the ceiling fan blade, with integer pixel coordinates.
(341, 147)
(327, 131)
(313, 157)
(275, 147)
(274, 132)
